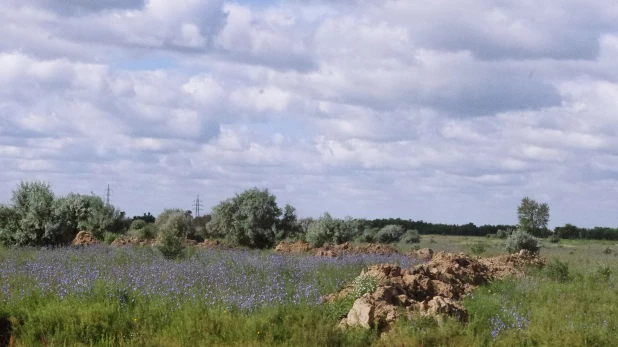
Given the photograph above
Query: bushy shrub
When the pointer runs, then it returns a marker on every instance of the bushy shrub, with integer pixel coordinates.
(346, 230)
(108, 237)
(8, 225)
(288, 227)
(148, 232)
(138, 224)
(607, 250)
(102, 217)
(411, 236)
(553, 238)
(519, 240)
(369, 235)
(201, 227)
(171, 246)
(32, 207)
(503, 234)
(36, 217)
(558, 271)
(603, 271)
(478, 248)
(176, 220)
(249, 219)
(390, 233)
(321, 230)
(365, 283)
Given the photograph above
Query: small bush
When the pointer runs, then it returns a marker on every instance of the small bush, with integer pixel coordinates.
(138, 224)
(603, 271)
(553, 238)
(321, 230)
(519, 240)
(558, 271)
(607, 250)
(390, 233)
(369, 235)
(502, 234)
(432, 240)
(411, 236)
(171, 245)
(147, 232)
(108, 238)
(363, 284)
(478, 248)
(176, 219)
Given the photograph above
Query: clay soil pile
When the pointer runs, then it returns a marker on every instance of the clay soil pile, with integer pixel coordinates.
(329, 250)
(212, 244)
(435, 288)
(84, 238)
(132, 241)
(293, 247)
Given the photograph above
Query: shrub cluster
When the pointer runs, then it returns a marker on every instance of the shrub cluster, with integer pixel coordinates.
(252, 219)
(37, 217)
(519, 240)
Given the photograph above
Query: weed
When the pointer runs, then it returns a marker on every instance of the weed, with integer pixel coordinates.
(607, 250)
(478, 248)
(365, 283)
(558, 271)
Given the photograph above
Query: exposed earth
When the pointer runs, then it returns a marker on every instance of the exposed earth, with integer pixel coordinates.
(432, 289)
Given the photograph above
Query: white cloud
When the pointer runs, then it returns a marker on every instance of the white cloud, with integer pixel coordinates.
(370, 108)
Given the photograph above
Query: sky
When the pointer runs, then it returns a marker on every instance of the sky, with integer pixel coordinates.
(366, 108)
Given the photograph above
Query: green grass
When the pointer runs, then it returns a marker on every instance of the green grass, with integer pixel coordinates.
(573, 302)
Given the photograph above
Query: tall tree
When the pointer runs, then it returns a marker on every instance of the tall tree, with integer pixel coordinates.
(533, 217)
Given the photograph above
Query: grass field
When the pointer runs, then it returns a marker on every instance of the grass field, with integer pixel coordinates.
(104, 296)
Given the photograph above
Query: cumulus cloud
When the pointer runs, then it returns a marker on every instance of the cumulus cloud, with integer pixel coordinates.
(368, 108)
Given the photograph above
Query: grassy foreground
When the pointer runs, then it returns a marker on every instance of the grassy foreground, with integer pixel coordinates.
(104, 296)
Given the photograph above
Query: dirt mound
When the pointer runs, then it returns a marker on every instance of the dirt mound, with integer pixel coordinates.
(433, 289)
(422, 254)
(329, 250)
(512, 264)
(293, 247)
(84, 238)
(212, 244)
(124, 240)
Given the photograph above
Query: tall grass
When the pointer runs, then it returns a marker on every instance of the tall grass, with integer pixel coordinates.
(103, 296)
(134, 296)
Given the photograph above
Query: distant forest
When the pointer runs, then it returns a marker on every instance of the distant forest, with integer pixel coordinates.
(425, 228)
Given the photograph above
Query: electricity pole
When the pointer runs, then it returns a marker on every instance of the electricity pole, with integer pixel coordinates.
(108, 192)
(197, 205)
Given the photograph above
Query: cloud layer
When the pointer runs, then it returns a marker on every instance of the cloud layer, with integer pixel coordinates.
(363, 108)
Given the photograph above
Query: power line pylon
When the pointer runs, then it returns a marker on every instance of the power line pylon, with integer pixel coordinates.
(198, 205)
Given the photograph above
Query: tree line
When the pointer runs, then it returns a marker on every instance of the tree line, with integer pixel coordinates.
(36, 216)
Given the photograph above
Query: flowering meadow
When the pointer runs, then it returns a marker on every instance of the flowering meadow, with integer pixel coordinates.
(104, 294)
(107, 296)
(242, 280)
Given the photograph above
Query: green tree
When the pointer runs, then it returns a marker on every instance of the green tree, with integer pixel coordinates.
(26, 221)
(533, 217)
(390, 233)
(248, 219)
(288, 227)
(321, 230)
(102, 218)
(69, 216)
(176, 220)
(9, 224)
